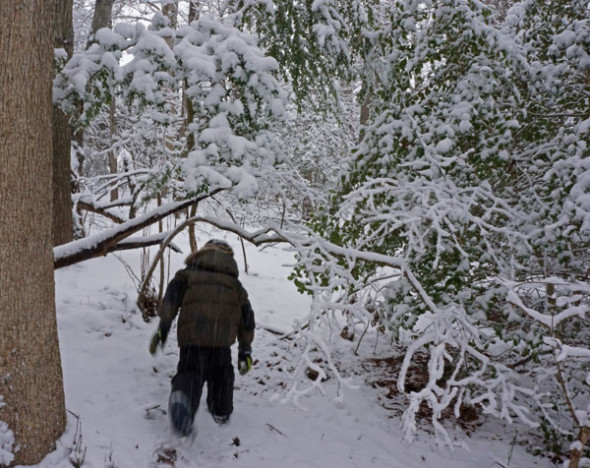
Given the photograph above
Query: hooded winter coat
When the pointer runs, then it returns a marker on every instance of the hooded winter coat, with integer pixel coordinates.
(214, 306)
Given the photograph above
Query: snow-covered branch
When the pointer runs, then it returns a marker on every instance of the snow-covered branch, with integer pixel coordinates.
(105, 242)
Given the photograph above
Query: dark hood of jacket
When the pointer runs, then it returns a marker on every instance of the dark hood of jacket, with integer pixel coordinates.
(211, 259)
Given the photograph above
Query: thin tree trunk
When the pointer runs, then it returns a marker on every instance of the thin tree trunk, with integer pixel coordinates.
(112, 156)
(162, 262)
(193, 14)
(63, 223)
(31, 382)
(190, 117)
(192, 235)
(365, 114)
(170, 10)
(194, 10)
(102, 18)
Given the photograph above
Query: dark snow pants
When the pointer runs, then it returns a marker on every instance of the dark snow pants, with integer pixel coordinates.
(198, 365)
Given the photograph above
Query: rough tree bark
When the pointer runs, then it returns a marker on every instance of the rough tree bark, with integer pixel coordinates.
(63, 223)
(31, 381)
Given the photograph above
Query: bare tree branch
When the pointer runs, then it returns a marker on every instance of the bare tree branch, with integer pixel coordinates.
(84, 205)
(148, 276)
(141, 242)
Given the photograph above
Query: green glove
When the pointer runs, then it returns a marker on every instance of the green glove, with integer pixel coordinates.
(156, 339)
(244, 363)
(159, 337)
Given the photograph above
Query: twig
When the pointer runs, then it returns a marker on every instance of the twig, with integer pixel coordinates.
(567, 115)
(361, 338)
(272, 428)
(131, 244)
(274, 331)
(150, 272)
(512, 446)
(241, 241)
(498, 463)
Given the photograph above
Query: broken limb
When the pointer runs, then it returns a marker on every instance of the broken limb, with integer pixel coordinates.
(106, 242)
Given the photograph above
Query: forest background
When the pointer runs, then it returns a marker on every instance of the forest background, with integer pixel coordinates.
(427, 161)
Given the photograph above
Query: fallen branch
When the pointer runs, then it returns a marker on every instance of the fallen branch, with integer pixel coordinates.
(105, 242)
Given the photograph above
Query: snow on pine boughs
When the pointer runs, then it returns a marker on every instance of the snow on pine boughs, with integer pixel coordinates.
(237, 102)
(236, 99)
(150, 75)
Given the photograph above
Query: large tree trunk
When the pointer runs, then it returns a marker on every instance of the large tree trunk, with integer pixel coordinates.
(63, 223)
(102, 18)
(30, 369)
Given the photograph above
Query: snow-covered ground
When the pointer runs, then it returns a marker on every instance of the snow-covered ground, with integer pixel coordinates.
(118, 392)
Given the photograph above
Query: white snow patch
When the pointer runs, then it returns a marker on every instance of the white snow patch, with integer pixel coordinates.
(6, 443)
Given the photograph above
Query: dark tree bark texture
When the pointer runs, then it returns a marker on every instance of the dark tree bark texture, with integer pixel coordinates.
(31, 381)
(63, 223)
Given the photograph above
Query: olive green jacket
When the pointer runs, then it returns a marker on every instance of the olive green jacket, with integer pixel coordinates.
(214, 306)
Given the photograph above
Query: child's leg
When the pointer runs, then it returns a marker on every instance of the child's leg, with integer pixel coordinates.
(220, 387)
(187, 386)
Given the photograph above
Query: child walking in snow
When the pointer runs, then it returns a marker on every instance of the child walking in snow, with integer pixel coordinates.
(214, 311)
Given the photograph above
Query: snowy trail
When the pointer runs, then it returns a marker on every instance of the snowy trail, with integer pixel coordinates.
(119, 392)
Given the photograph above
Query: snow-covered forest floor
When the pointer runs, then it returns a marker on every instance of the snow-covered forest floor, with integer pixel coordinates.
(116, 392)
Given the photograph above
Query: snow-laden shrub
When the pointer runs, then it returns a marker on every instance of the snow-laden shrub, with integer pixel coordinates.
(471, 184)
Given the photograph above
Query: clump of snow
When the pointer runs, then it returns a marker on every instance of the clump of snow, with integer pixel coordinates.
(444, 146)
(127, 30)
(6, 441)
(246, 184)
(108, 38)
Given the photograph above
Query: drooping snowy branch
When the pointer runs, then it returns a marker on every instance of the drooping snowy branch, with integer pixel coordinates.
(105, 242)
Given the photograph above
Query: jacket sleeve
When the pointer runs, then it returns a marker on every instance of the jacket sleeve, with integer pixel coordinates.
(172, 300)
(247, 323)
